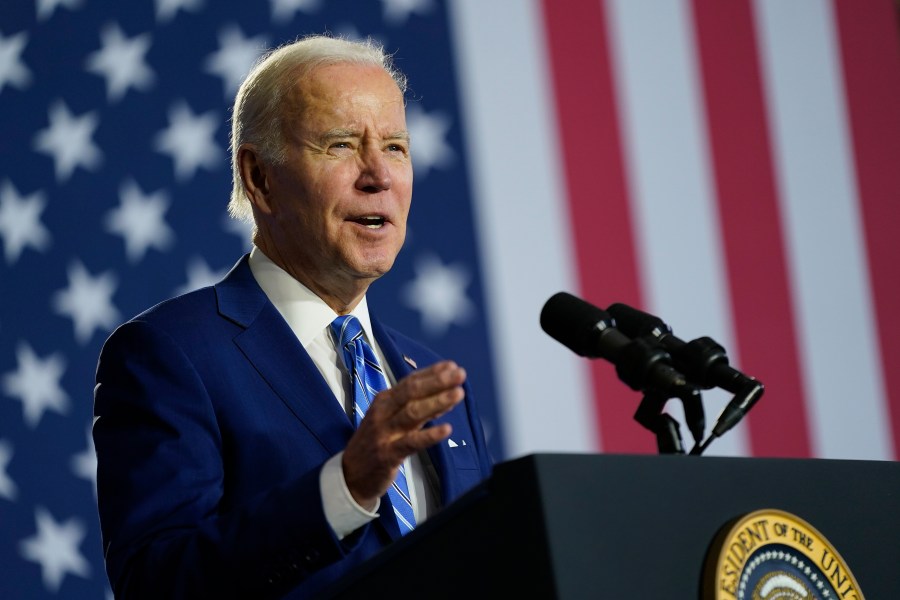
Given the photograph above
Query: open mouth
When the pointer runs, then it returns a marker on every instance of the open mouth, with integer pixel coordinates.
(372, 222)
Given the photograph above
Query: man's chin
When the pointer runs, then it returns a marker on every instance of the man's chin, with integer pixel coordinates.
(372, 272)
(372, 268)
(374, 261)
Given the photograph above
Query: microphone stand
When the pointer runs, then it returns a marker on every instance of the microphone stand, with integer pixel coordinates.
(667, 430)
(739, 406)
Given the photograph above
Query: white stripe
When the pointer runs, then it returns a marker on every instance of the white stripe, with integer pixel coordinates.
(817, 186)
(402, 519)
(403, 495)
(522, 221)
(667, 161)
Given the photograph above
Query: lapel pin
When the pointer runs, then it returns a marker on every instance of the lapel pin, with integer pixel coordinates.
(410, 362)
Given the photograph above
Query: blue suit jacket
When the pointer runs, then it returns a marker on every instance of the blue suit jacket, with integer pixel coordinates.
(212, 425)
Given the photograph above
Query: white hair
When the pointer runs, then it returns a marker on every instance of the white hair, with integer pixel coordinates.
(258, 107)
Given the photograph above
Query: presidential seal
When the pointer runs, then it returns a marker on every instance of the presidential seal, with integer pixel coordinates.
(774, 555)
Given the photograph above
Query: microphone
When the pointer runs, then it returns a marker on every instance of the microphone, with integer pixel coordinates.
(591, 332)
(703, 361)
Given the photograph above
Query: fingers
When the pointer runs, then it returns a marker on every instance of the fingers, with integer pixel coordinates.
(370, 467)
(433, 379)
(422, 439)
(422, 396)
(393, 427)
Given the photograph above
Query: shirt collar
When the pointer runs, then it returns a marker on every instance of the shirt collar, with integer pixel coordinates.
(306, 314)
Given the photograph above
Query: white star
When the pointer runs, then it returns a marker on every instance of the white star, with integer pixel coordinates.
(46, 8)
(439, 294)
(20, 222)
(283, 10)
(139, 219)
(68, 141)
(189, 140)
(55, 548)
(84, 464)
(12, 69)
(88, 302)
(239, 227)
(396, 12)
(166, 9)
(234, 58)
(35, 383)
(200, 275)
(121, 61)
(8, 487)
(428, 133)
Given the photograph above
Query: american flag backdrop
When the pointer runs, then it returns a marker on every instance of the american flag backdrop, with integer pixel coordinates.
(731, 166)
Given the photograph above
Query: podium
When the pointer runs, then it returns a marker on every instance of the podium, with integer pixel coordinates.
(560, 526)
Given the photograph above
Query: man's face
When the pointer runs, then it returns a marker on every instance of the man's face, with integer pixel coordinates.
(339, 203)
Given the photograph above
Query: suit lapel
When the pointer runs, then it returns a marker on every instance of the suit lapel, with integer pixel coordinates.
(400, 366)
(269, 344)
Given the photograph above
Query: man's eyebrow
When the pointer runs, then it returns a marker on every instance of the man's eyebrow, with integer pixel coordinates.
(338, 132)
(398, 135)
(341, 133)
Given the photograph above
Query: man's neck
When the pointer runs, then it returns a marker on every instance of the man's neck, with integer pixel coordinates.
(341, 301)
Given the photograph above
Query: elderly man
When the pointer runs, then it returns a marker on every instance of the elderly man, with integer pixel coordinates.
(261, 437)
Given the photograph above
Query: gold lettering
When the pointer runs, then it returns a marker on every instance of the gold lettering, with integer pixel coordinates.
(729, 576)
(729, 587)
(763, 526)
(831, 566)
(827, 560)
(848, 590)
(742, 536)
(801, 538)
(737, 551)
(837, 576)
(755, 535)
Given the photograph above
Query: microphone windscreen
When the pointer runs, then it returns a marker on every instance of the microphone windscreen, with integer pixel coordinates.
(572, 322)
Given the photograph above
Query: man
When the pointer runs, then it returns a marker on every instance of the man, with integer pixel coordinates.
(238, 455)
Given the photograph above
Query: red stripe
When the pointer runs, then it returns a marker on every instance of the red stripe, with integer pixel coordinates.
(751, 224)
(870, 51)
(597, 193)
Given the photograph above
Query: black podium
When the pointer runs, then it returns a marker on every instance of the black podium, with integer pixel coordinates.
(560, 526)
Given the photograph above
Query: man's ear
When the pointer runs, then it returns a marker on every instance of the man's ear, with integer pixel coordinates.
(255, 177)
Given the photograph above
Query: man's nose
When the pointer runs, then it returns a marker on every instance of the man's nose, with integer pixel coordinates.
(375, 175)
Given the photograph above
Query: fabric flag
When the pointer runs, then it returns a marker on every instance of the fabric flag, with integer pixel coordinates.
(728, 166)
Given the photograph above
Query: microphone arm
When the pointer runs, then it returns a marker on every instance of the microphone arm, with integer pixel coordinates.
(739, 406)
(702, 360)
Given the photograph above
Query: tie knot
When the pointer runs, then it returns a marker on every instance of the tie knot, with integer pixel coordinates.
(347, 329)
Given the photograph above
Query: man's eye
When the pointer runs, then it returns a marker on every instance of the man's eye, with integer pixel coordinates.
(341, 145)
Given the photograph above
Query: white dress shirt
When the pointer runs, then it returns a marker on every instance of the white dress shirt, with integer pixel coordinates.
(309, 317)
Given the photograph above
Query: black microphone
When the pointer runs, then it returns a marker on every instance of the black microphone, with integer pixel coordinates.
(591, 332)
(703, 361)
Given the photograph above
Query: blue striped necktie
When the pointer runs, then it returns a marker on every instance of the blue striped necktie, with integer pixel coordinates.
(368, 380)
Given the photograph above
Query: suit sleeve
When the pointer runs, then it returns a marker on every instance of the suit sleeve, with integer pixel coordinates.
(161, 480)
